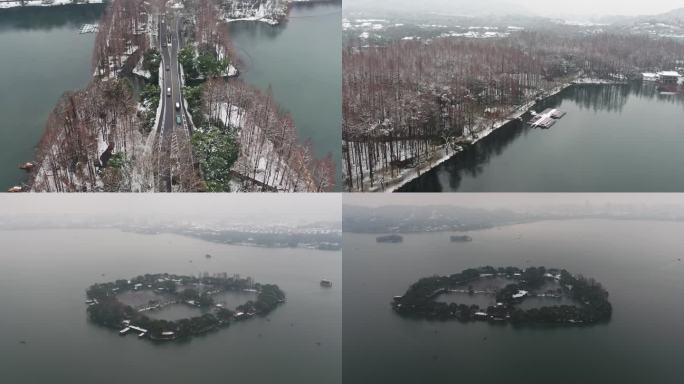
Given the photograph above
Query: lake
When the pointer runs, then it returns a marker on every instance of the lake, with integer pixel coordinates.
(636, 261)
(42, 294)
(619, 138)
(302, 62)
(43, 56)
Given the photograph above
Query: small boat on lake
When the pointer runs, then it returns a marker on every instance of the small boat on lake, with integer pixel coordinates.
(27, 166)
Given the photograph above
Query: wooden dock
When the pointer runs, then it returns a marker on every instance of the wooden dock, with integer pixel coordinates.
(547, 118)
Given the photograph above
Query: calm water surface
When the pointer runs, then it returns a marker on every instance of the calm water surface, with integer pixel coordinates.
(45, 273)
(619, 138)
(43, 55)
(302, 61)
(635, 260)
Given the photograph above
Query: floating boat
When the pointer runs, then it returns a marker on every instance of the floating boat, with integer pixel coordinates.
(27, 166)
(326, 283)
(15, 189)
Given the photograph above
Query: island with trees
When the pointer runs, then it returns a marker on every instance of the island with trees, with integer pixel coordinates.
(389, 239)
(460, 238)
(106, 309)
(590, 299)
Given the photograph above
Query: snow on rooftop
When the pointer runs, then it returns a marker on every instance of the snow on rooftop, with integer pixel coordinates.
(669, 73)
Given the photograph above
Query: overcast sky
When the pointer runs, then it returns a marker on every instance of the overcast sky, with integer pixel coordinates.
(247, 208)
(511, 200)
(537, 7)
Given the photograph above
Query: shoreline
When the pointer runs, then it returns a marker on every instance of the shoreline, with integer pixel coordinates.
(147, 142)
(442, 154)
(40, 4)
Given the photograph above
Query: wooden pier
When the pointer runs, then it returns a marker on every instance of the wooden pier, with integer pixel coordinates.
(547, 118)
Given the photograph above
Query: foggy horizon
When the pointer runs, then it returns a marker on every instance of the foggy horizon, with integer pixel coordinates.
(579, 8)
(237, 208)
(514, 201)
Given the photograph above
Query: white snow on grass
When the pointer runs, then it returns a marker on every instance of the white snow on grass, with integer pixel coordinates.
(44, 3)
(385, 182)
(254, 160)
(138, 70)
(268, 12)
(232, 71)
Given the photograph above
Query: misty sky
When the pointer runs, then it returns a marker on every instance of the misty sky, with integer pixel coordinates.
(243, 208)
(512, 200)
(536, 7)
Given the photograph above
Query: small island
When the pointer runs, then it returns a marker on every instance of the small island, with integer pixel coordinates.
(389, 239)
(460, 238)
(590, 299)
(106, 309)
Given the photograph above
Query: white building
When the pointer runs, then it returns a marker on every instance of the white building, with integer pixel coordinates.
(649, 76)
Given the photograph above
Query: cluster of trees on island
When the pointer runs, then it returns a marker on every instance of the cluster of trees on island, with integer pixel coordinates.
(107, 310)
(591, 298)
(403, 100)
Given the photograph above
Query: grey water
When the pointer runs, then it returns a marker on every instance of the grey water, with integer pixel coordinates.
(45, 273)
(43, 56)
(301, 60)
(638, 262)
(614, 138)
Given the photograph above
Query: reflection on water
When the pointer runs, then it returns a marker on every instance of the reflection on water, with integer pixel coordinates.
(470, 163)
(175, 312)
(42, 56)
(42, 293)
(623, 138)
(46, 18)
(636, 261)
(300, 61)
(610, 98)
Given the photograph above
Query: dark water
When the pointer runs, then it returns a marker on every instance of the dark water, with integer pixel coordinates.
(302, 61)
(622, 138)
(636, 261)
(42, 293)
(43, 55)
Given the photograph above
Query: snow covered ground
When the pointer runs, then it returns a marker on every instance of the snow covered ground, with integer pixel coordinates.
(385, 183)
(253, 160)
(140, 71)
(44, 3)
(270, 12)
